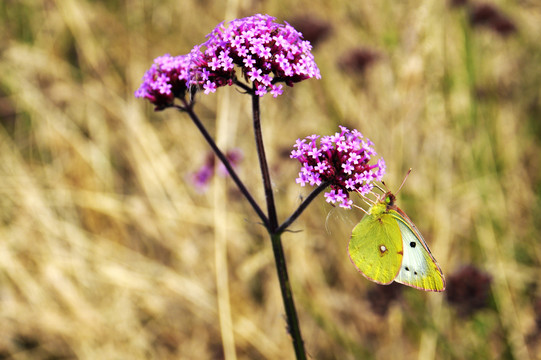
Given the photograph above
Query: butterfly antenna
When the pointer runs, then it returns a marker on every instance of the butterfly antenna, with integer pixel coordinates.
(403, 181)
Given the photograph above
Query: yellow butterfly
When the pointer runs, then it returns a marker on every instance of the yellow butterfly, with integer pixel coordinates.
(386, 246)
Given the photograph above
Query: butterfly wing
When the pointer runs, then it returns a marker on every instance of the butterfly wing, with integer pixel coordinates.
(419, 268)
(375, 247)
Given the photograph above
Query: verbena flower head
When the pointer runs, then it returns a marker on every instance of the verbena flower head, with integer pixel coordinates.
(266, 52)
(342, 160)
(166, 79)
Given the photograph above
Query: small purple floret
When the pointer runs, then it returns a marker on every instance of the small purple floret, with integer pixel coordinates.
(342, 160)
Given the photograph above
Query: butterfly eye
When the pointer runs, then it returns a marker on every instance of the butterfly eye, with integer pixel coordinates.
(387, 200)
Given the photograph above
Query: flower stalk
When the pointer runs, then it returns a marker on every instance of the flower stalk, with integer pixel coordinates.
(287, 297)
(277, 248)
(267, 185)
(283, 227)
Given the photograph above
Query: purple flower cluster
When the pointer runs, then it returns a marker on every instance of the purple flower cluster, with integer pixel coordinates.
(342, 160)
(201, 178)
(167, 78)
(266, 52)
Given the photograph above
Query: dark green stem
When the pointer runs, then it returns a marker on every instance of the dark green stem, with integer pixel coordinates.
(301, 207)
(271, 208)
(188, 107)
(287, 297)
(279, 256)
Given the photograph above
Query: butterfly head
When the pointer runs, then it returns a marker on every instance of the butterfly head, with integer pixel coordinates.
(389, 200)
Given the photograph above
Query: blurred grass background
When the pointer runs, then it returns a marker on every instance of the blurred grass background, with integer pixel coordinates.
(108, 252)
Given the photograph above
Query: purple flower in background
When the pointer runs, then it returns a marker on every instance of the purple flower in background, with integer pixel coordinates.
(266, 52)
(359, 60)
(166, 79)
(201, 178)
(314, 29)
(491, 17)
(469, 290)
(342, 160)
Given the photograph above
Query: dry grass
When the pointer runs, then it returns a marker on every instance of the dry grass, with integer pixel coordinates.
(107, 252)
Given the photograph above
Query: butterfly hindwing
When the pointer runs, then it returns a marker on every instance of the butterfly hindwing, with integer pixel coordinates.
(419, 269)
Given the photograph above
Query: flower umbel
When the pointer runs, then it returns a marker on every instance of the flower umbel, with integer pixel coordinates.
(266, 52)
(342, 160)
(166, 79)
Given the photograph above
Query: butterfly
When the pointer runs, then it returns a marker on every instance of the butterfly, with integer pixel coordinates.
(386, 246)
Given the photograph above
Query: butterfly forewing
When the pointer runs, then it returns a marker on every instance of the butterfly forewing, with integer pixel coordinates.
(375, 247)
(419, 268)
